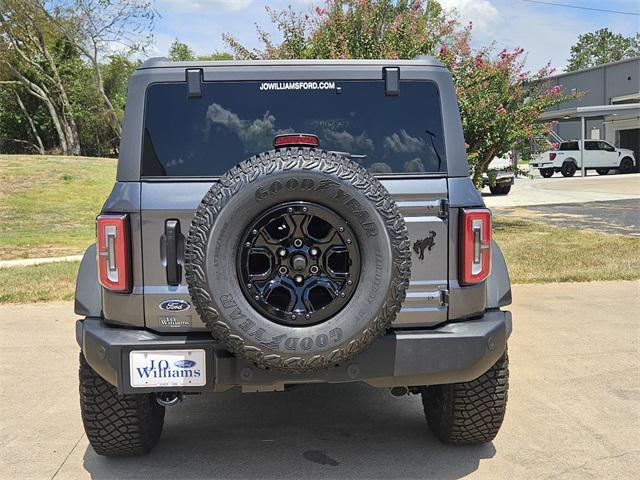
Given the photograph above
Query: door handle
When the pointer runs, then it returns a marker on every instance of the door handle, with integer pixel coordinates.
(172, 236)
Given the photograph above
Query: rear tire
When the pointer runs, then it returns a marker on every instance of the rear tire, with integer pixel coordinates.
(547, 172)
(626, 166)
(602, 171)
(500, 189)
(117, 425)
(568, 169)
(472, 412)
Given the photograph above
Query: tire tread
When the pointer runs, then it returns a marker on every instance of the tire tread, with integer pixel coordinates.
(471, 412)
(117, 425)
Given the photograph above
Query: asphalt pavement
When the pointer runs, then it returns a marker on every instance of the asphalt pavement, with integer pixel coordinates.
(573, 412)
(608, 204)
(560, 190)
(621, 217)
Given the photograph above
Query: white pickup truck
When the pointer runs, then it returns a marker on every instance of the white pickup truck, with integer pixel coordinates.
(599, 155)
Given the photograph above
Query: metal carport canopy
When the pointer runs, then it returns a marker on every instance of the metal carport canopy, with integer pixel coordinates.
(626, 110)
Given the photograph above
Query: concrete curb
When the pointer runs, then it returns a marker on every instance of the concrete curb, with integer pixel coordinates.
(25, 262)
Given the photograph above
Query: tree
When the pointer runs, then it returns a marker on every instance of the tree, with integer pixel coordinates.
(180, 51)
(117, 72)
(24, 123)
(602, 46)
(97, 27)
(50, 99)
(30, 58)
(499, 102)
(215, 56)
(95, 123)
(352, 29)
(32, 126)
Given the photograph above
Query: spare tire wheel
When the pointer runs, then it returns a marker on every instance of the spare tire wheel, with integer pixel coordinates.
(297, 259)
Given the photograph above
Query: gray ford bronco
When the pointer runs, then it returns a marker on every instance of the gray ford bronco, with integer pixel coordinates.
(292, 222)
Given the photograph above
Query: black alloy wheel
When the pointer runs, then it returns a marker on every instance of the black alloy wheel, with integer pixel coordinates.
(299, 264)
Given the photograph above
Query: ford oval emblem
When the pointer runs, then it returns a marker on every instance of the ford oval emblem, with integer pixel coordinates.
(175, 305)
(185, 363)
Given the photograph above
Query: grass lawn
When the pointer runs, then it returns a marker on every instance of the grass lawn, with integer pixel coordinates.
(48, 204)
(537, 253)
(38, 283)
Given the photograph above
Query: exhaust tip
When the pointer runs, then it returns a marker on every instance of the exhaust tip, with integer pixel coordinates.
(399, 391)
(168, 399)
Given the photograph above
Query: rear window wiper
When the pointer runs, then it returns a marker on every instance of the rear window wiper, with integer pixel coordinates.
(351, 156)
(433, 144)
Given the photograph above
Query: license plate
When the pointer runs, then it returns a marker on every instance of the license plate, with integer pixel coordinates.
(167, 368)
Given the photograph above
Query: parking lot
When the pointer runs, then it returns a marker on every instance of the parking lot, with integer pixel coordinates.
(574, 408)
(607, 204)
(560, 190)
(621, 217)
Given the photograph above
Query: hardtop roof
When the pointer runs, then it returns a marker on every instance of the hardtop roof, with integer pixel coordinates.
(162, 62)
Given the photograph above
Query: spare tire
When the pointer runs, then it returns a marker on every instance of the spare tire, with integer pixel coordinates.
(297, 259)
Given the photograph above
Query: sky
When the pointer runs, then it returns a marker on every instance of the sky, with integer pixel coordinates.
(546, 32)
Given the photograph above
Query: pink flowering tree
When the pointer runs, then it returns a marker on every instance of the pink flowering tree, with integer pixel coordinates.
(499, 101)
(352, 29)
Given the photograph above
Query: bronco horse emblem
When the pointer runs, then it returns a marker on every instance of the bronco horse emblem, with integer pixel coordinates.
(427, 243)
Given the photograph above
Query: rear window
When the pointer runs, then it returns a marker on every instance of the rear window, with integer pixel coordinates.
(569, 146)
(206, 136)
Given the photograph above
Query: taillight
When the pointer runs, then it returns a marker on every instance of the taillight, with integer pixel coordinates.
(475, 245)
(552, 156)
(295, 139)
(113, 257)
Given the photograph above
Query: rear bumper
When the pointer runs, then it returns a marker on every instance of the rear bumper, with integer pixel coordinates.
(541, 166)
(455, 352)
(500, 179)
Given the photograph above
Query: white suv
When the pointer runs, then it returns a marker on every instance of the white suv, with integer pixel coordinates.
(599, 155)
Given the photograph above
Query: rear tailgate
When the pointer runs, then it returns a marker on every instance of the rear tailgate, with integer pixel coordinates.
(167, 205)
(393, 129)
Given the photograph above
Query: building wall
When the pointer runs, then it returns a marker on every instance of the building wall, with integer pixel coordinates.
(600, 85)
(622, 79)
